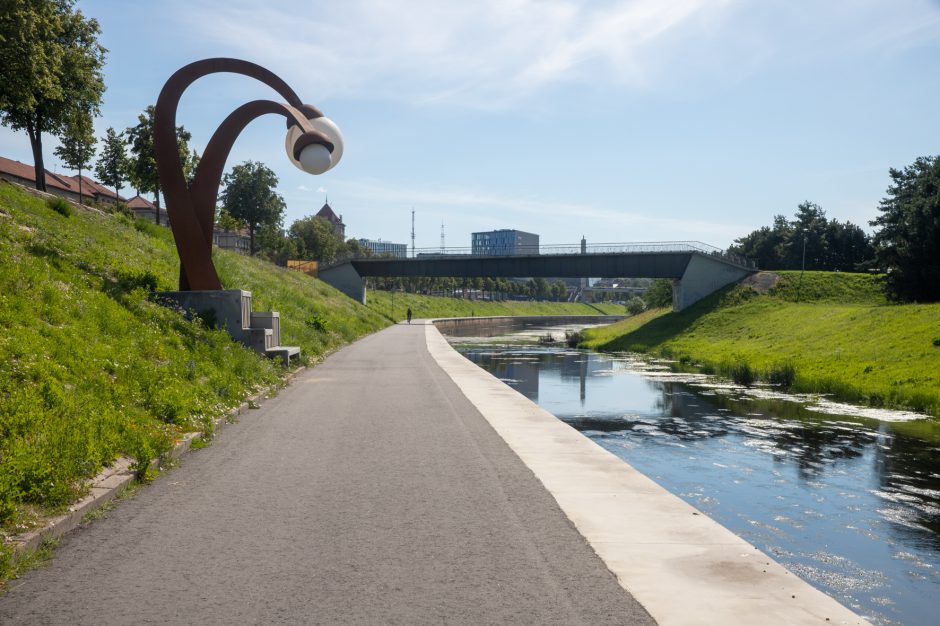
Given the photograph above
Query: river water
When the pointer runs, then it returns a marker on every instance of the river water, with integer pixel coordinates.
(848, 502)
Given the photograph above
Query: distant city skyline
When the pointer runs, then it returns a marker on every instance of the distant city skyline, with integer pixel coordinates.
(616, 120)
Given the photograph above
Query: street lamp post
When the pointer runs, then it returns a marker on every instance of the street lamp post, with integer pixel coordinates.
(799, 286)
(314, 144)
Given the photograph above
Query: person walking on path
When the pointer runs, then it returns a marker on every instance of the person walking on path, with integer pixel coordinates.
(409, 315)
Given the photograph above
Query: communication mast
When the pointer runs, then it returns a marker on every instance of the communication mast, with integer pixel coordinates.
(442, 236)
(412, 232)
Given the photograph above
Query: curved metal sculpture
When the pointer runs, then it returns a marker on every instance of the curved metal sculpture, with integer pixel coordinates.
(314, 144)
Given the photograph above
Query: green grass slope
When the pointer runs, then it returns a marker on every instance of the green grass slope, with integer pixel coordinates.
(829, 333)
(91, 369)
(394, 305)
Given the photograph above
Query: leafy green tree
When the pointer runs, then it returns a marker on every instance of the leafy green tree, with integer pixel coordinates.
(250, 196)
(559, 290)
(77, 145)
(142, 164)
(355, 250)
(111, 167)
(541, 289)
(659, 294)
(50, 69)
(316, 239)
(225, 221)
(274, 245)
(907, 243)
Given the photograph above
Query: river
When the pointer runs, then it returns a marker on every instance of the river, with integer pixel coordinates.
(846, 498)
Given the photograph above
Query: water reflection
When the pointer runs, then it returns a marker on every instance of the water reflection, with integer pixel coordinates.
(850, 504)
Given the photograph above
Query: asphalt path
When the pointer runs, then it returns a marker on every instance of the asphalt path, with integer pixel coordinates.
(370, 491)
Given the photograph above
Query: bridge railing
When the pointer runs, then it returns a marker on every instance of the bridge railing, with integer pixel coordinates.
(568, 249)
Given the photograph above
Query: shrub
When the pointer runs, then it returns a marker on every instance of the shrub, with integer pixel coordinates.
(60, 205)
(128, 281)
(740, 372)
(783, 375)
(573, 338)
(635, 305)
(319, 323)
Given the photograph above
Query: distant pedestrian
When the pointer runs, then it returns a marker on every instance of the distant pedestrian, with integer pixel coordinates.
(409, 315)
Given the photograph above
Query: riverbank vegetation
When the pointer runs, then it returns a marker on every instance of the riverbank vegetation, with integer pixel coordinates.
(91, 369)
(826, 333)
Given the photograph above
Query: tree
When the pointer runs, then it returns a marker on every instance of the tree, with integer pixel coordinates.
(50, 70)
(226, 222)
(908, 243)
(273, 244)
(142, 165)
(541, 290)
(250, 196)
(659, 294)
(111, 167)
(826, 244)
(77, 145)
(316, 238)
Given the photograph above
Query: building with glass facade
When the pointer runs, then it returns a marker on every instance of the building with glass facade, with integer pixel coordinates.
(505, 242)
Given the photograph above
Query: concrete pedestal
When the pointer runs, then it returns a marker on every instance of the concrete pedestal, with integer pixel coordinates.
(231, 309)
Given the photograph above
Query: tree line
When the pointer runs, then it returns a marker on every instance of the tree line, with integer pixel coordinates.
(905, 246)
(809, 241)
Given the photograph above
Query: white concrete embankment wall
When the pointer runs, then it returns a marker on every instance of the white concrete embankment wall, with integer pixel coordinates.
(681, 565)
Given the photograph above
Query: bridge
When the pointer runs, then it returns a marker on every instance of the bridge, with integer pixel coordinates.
(696, 269)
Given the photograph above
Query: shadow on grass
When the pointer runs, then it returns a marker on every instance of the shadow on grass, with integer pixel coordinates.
(665, 327)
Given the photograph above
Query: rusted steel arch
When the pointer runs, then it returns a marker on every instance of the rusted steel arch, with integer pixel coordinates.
(204, 191)
(191, 210)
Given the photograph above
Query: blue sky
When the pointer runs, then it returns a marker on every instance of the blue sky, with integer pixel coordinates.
(635, 120)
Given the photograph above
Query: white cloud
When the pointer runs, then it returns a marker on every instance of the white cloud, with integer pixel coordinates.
(485, 53)
(494, 53)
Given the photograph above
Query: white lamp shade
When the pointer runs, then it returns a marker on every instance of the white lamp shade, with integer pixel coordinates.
(326, 126)
(315, 159)
(329, 128)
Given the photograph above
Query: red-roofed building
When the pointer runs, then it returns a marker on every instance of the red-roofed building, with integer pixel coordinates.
(65, 186)
(147, 210)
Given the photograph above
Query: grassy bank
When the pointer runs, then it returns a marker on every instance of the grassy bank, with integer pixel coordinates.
(393, 305)
(829, 333)
(90, 369)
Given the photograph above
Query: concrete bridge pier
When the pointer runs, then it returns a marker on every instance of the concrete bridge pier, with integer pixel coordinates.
(703, 276)
(345, 278)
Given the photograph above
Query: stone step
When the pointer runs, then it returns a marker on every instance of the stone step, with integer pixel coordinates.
(261, 339)
(284, 352)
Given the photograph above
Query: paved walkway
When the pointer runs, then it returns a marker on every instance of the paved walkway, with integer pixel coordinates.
(371, 491)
